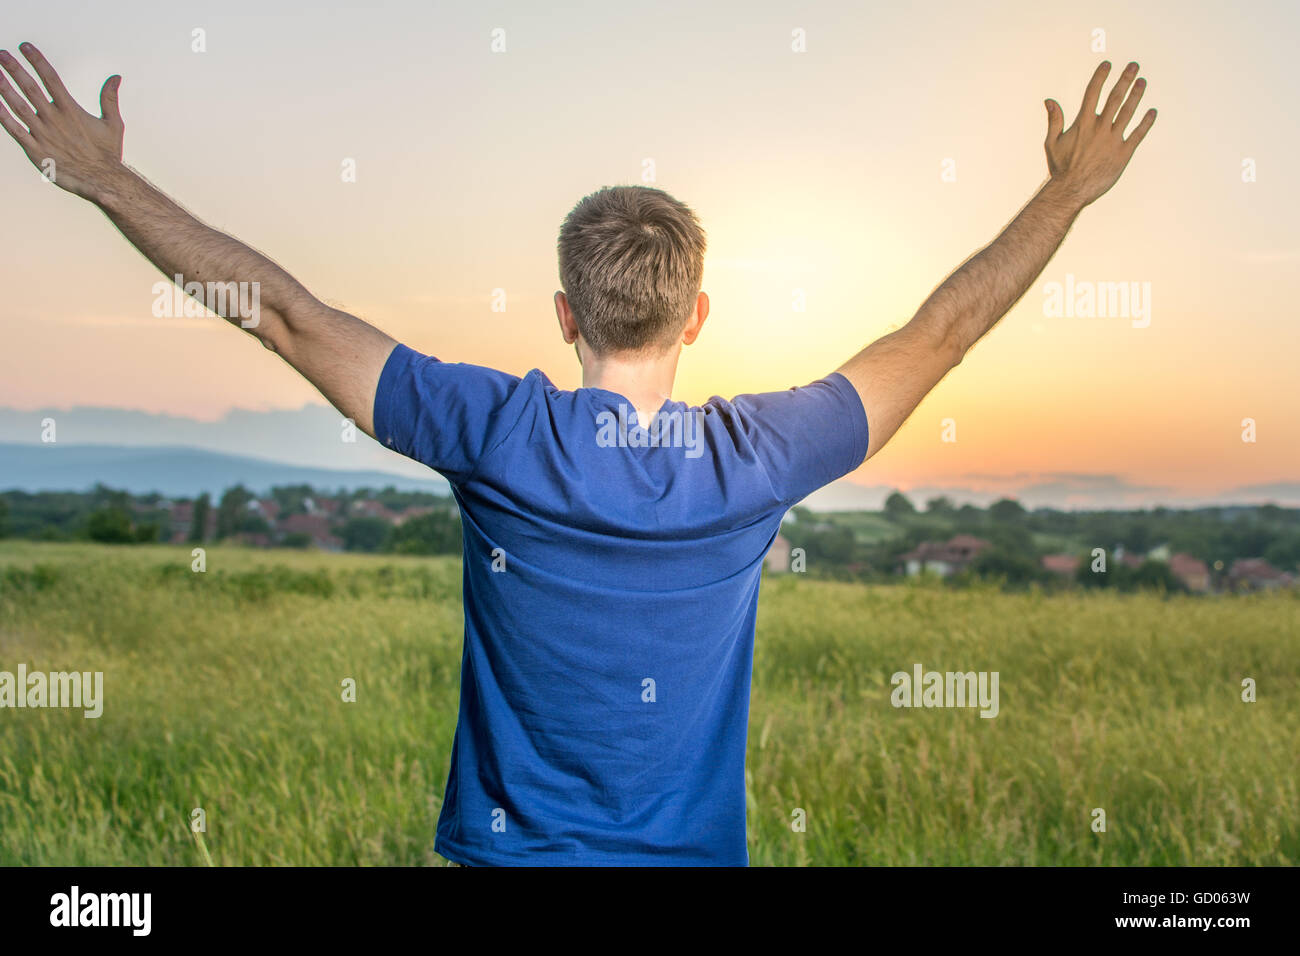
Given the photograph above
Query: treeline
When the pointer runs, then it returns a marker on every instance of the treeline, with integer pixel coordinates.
(102, 514)
(111, 516)
(856, 545)
(438, 532)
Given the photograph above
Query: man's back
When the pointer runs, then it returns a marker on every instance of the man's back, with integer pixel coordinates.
(611, 584)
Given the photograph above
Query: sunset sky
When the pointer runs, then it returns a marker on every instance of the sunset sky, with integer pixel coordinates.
(819, 171)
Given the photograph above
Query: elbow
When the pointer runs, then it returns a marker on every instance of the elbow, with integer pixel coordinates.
(941, 336)
(269, 327)
(955, 350)
(949, 344)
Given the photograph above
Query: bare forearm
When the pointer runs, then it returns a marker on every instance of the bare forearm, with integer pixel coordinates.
(180, 245)
(339, 353)
(893, 374)
(989, 283)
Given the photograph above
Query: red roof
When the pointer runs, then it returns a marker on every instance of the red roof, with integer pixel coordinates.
(1255, 569)
(1184, 565)
(956, 550)
(1061, 563)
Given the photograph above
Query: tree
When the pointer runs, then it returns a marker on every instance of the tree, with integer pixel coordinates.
(940, 506)
(834, 546)
(110, 526)
(232, 511)
(1012, 538)
(1086, 577)
(1283, 553)
(435, 533)
(1013, 567)
(291, 498)
(1151, 575)
(969, 519)
(364, 534)
(897, 505)
(199, 525)
(1007, 511)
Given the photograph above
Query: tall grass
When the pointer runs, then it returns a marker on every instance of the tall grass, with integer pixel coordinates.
(223, 692)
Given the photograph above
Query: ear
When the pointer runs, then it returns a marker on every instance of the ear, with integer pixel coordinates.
(568, 326)
(696, 321)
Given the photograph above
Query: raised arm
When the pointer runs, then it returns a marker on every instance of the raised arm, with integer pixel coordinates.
(338, 353)
(895, 372)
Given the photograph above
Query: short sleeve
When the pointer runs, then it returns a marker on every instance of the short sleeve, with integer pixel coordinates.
(446, 415)
(805, 437)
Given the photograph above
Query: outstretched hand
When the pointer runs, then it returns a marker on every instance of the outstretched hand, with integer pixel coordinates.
(1088, 158)
(75, 150)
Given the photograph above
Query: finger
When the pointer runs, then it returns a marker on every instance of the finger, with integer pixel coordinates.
(1117, 94)
(1130, 105)
(23, 80)
(1055, 120)
(108, 108)
(1142, 128)
(1090, 95)
(18, 131)
(58, 92)
(15, 102)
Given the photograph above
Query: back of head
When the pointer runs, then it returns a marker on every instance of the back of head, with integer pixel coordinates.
(631, 264)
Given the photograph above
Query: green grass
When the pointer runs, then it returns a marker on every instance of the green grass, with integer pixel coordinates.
(223, 692)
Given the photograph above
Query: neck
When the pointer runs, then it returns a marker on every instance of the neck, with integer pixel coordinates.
(645, 381)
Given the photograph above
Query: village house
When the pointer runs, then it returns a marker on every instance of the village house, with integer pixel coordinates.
(370, 508)
(265, 508)
(316, 527)
(1066, 565)
(778, 556)
(328, 507)
(1256, 574)
(946, 558)
(1193, 572)
(182, 520)
(1127, 558)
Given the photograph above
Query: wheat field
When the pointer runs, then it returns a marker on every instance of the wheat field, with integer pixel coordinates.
(223, 691)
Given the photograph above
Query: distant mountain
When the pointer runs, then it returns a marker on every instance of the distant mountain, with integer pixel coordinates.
(142, 452)
(311, 436)
(178, 472)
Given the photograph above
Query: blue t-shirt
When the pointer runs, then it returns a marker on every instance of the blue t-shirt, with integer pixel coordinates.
(611, 578)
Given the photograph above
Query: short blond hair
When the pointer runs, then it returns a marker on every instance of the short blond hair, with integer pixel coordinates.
(631, 265)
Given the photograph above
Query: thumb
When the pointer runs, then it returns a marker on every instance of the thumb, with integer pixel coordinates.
(108, 109)
(1055, 119)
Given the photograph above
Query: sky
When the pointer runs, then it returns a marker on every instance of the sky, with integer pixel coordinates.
(853, 175)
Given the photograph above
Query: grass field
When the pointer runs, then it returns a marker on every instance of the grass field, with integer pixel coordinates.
(223, 692)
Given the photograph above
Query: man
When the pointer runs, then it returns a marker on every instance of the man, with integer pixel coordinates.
(613, 537)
